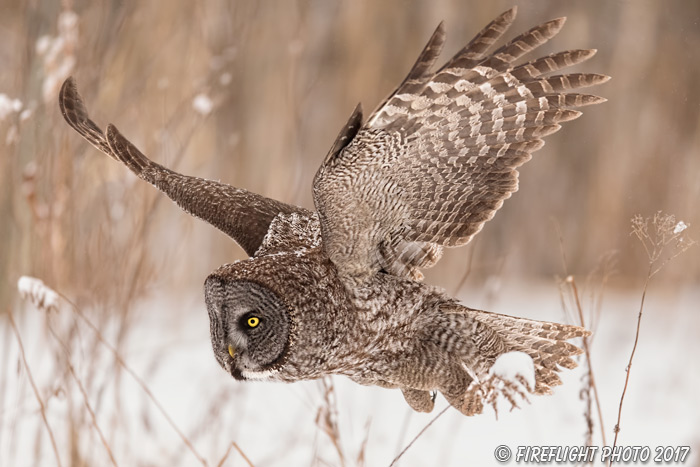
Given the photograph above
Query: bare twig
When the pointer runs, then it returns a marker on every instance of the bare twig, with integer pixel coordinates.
(138, 380)
(634, 349)
(587, 352)
(404, 428)
(327, 417)
(586, 348)
(665, 238)
(468, 270)
(363, 447)
(235, 446)
(42, 407)
(420, 433)
(86, 400)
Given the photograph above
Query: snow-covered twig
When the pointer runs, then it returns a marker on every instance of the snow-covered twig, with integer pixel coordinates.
(41, 295)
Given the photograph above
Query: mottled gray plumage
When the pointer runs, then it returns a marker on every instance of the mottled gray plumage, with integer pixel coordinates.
(338, 291)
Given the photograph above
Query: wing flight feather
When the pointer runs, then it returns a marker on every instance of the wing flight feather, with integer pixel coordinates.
(440, 155)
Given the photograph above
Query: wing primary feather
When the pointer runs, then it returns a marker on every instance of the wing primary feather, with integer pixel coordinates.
(474, 52)
(420, 68)
(347, 133)
(242, 215)
(439, 157)
(76, 115)
(428, 55)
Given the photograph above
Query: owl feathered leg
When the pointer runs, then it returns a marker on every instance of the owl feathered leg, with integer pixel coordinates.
(474, 339)
(419, 400)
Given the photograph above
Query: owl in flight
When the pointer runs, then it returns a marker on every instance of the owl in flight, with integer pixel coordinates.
(338, 290)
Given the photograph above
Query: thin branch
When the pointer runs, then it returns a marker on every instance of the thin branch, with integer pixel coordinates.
(587, 352)
(327, 417)
(86, 400)
(360, 462)
(42, 407)
(404, 428)
(586, 347)
(665, 231)
(634, 349)
(233, 445)
(138, 380)
(418, 436)
(678, 252)
(468, 271)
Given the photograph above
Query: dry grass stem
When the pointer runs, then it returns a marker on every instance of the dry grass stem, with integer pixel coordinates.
(663, 239)
(591, 386)
(590, 383)
(489, 390)
(420, 433)
(361, 455)
(42, 407)
(138, 380)
(86, 400)
(235, 446)
(628, 369)
(467, 272)
(327, 417)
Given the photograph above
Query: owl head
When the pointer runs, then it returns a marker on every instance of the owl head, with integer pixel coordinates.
(251, 326)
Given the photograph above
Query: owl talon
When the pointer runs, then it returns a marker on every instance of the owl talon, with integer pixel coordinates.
(470, 403)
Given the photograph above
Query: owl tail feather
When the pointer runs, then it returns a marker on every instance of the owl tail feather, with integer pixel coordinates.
(545, 342)
(479, 338)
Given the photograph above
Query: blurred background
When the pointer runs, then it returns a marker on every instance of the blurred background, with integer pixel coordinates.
(253, 94)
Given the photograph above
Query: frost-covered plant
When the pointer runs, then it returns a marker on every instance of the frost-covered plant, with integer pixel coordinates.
(663, 239)
(38, 293)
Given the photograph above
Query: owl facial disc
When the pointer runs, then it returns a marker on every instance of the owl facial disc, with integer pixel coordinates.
(250, 326)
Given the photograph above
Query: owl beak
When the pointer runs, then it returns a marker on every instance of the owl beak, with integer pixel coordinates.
(231, 351)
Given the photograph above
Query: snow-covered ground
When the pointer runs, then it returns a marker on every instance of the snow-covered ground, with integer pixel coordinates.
(276, 424)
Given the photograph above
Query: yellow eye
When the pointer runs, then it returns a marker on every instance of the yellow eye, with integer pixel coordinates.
(253, 321)
(231, 351)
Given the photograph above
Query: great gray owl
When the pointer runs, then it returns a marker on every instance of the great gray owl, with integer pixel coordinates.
(339, 291)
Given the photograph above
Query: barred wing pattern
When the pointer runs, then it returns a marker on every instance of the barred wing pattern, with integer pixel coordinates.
(439, 157)
(242, 215)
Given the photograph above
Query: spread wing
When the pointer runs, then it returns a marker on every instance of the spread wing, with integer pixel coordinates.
(242, 215)
(439, 157)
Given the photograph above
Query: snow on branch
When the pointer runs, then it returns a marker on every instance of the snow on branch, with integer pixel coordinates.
(41, 295)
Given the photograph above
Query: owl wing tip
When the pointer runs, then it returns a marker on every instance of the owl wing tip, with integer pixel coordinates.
(126, 152)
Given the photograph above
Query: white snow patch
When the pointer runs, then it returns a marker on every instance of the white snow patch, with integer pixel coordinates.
(41, 295)
(213, 409)
(680, 227)
(511, 364)
(202, 104)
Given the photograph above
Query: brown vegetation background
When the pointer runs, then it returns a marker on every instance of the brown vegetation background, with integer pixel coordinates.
(283, 77)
